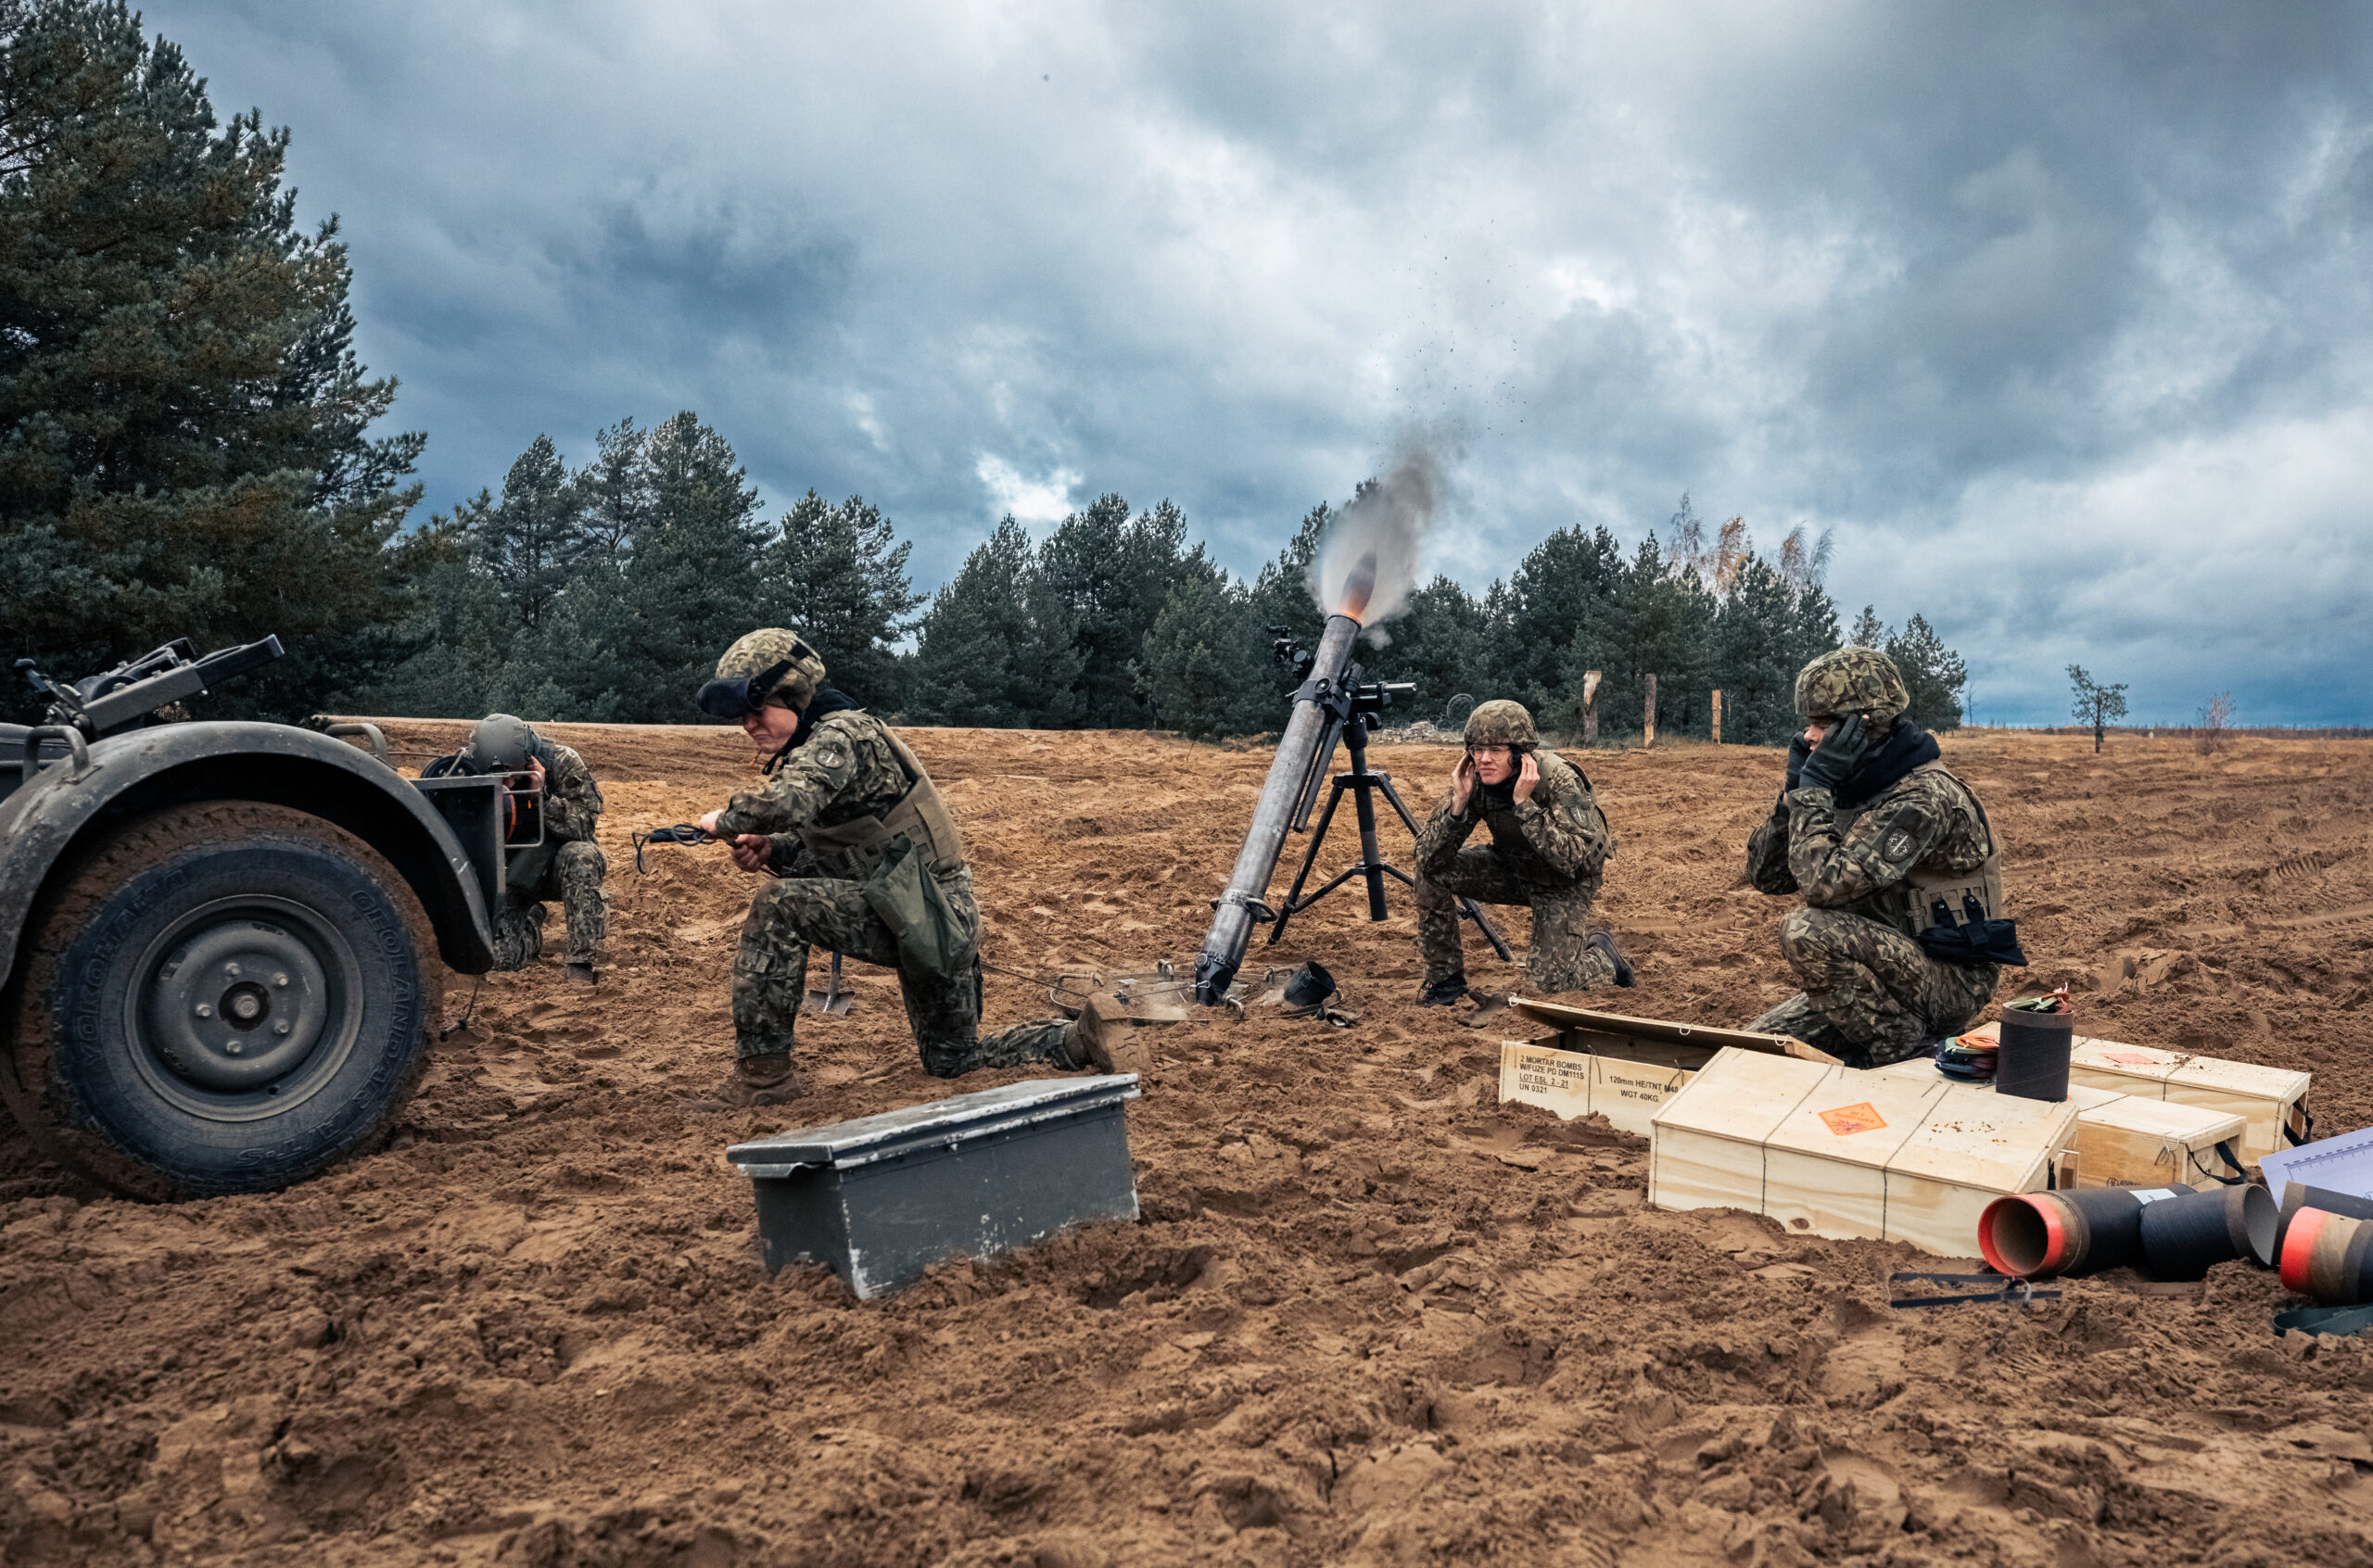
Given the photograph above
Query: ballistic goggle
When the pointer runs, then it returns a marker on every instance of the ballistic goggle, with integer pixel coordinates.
(729, 698)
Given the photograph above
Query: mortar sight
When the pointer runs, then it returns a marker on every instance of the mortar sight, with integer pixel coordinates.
(1289, 652)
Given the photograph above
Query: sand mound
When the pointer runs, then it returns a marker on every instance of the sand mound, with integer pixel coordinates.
(1370, 1317)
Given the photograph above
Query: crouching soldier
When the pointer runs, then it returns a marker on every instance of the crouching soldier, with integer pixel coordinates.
(1897, 865)
(868, 863)
(567, 865)
(1549, 844)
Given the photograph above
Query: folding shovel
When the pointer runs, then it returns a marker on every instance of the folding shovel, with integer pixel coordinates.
(832, 1001)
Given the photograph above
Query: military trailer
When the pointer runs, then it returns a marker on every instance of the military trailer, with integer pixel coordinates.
(223, 943)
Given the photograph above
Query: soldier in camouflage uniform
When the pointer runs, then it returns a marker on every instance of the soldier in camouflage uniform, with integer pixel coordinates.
(843, 801)
(1549, 844)
(567, 866)
(1876, 832)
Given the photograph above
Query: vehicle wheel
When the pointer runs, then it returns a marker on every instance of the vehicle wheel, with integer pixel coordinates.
(225, 997)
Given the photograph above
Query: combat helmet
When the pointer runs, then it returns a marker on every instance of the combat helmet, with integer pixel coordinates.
(498, 743)
(1851, 680)
(1501, 723)
(773, 663)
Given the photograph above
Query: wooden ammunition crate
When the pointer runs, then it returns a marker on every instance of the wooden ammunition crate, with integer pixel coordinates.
(1972, 1146)
(2128, 1140)
(2268, 1100)
(1706, 1147)
(1836, 1152)
(1624, 1068)
(1824, 1166)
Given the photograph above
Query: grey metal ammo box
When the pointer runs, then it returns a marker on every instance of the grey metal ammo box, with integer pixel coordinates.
(881, 1197)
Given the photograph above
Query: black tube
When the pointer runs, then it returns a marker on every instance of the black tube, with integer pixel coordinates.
(2184, 1237)
(2297, 1195)
(2075, 1231)
(2033, 1062)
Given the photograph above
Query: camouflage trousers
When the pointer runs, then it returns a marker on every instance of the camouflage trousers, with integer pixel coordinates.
(1561, 957)
(574, 876)
(770, 979)
(1872, 994)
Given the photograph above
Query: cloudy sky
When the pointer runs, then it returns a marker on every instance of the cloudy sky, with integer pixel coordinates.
(2057, 315)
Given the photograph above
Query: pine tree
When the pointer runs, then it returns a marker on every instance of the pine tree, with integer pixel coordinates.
(691, 585)
(1655, 617)
(616, 490)
(1280, 596)
(1868, 630)
(1758, 649)
(839, 574)
(1202, 658)
(1560, 591)
(532, 541)
(1932, 673)
(1111, 574)
(183, 448)
(996, 646)
(1439, 643)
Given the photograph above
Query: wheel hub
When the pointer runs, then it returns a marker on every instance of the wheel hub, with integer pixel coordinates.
(238, 1005)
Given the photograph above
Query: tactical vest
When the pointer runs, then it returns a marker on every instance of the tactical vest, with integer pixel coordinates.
(1909, 904)
(855, 849)
(1507, 832)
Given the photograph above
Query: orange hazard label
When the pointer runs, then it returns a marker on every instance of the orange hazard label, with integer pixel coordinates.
(2131, 1058)
(1847, 1120)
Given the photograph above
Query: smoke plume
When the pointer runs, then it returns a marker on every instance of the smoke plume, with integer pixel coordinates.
(1367, 564)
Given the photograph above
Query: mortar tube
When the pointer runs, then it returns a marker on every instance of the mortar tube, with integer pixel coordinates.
(1231, 931)
(2298, 1197)
(2184, 1237)
(2328, 1256)
(2075, 1231)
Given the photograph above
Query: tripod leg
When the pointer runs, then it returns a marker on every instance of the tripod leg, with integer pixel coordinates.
(1467, 906)
(1371, 863)
(1474, 912)
(1309, 858)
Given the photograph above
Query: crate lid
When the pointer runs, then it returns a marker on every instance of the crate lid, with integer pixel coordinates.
(1859, 1118)
(959, 1118)
(1973, 1137)
(2244, 1079)
(1564, 1016)
(1741, 1095)
(2195, 1127)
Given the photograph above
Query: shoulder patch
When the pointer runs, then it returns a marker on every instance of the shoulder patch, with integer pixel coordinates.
(1898, 845)
(830, 754)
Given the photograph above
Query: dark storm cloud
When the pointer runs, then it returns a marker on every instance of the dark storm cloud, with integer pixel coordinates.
(2057, 315)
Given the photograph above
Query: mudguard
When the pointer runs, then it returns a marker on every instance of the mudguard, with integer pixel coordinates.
(73, 799)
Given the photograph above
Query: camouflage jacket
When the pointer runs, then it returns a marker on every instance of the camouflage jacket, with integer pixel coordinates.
(571, 799)
(840, 770)
(1558, 842)
(1926, 821)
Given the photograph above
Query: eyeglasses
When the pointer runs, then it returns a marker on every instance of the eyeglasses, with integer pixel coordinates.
(728, 698)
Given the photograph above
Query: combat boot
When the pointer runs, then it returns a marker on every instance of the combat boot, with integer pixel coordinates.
(579, 974)
(1605, 942)
(1106, 1039)
(758, 1081)
(1447, 993)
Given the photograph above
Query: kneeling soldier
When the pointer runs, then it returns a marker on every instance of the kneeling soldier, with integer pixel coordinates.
(1549, 845)
(868, 864)
(567, 866)
(1881, 838)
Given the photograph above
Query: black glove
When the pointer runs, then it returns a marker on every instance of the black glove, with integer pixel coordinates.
(1798, 750)
(1837, 755)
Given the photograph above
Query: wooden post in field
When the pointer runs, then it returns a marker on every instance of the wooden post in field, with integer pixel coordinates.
(1590, 707)
(1717, 716)
(1648, 721)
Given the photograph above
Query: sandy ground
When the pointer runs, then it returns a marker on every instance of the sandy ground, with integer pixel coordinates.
(1370, 1316)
